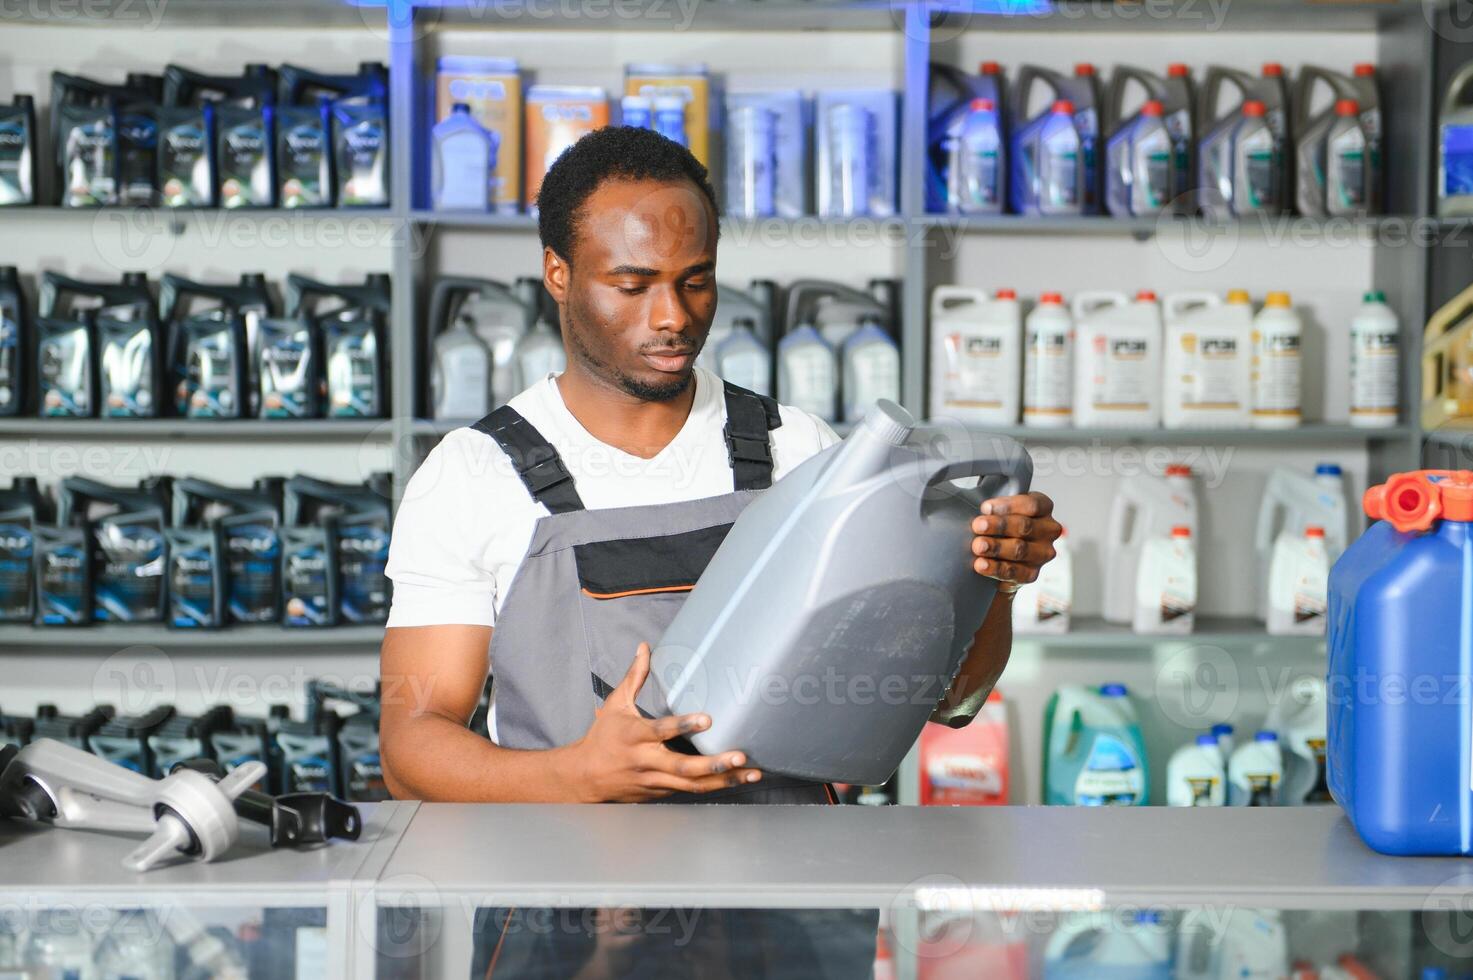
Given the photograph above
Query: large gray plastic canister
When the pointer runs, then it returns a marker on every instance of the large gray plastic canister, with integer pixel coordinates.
(841, 604)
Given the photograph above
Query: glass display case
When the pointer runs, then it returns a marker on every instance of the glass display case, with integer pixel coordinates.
(450, 890)
(69, 908)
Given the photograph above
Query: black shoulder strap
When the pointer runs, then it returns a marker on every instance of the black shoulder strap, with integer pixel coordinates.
(749, 419)
(538, 464)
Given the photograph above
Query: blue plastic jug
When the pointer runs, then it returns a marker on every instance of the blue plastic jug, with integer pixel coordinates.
(1400, 641)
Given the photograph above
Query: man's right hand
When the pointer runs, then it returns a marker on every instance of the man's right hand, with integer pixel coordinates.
(623, 757)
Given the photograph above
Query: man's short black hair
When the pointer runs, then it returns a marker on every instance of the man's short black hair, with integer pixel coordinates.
(611, 153)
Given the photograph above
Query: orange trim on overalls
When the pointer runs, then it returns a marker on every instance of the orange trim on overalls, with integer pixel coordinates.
(620, 595)
(501, 940)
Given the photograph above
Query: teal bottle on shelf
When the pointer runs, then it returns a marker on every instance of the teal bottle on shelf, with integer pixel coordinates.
(1093, 751)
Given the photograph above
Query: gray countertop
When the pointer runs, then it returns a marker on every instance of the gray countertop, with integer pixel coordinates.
(938, 857)
(977, 857)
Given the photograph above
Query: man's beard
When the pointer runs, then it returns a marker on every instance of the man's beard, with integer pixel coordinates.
(603, 370)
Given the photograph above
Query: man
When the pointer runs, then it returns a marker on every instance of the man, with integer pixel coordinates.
(559, 533)
(552, 541)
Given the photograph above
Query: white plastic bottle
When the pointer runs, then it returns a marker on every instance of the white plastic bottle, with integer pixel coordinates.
(1145, 507)
(715, 337)
(1048, 364)
(1152, 164)
(744, 360)
(1278, 367)
(1043, 605)
(1166, 586)
(538, 353)
(1117, 360)
(976, 343)
(1375, 368)
(1207, 382)
(871, 361)
(1298, 584)
(464, 162)
(808, 373)
(460, 374)
(1292, 502)
(1244, 944)
(975, 172)
(1196, 774)
(1255, 771)
(1091, 944)
(1303, 719)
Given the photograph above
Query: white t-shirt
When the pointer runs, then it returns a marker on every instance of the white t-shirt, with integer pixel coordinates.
(466, 519)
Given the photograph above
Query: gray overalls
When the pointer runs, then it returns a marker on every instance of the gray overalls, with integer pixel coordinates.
(594, 585)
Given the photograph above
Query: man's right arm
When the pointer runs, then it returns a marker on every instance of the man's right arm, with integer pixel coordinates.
(432, 677)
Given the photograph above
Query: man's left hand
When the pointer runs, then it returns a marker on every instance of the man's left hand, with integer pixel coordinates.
(1014, 537)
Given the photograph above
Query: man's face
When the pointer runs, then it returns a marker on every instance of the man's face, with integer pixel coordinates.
(639, 293)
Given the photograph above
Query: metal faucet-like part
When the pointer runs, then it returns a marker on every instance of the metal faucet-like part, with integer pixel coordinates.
(185, 813)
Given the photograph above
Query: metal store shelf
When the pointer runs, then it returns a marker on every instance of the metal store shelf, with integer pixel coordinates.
(157, 635)
(195, 214)
(707, 15)
(1082, 16)
(438, 427)
(1092, 632)
(1304, 435)
(1288, 228)
(475, 219)
(129, 14)
(222, 430)
(746, 227)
